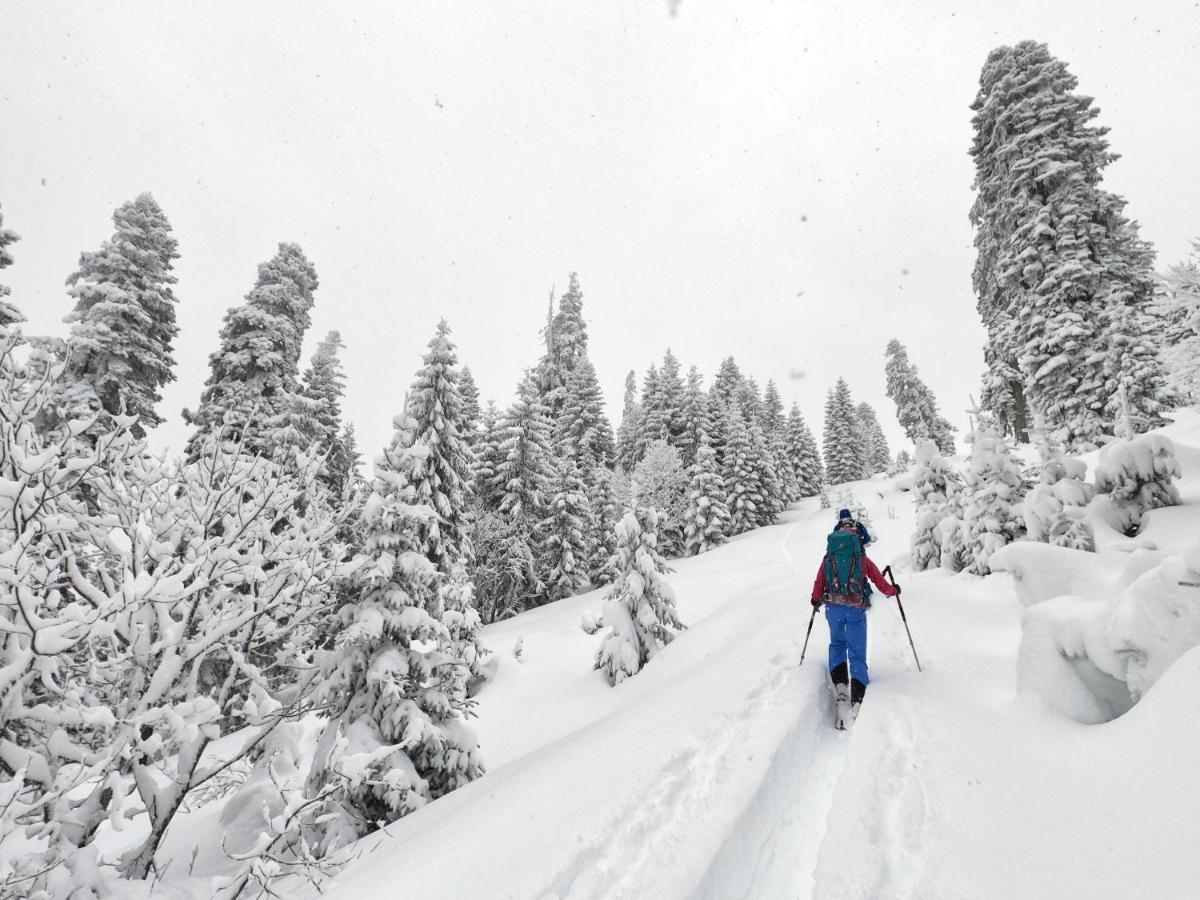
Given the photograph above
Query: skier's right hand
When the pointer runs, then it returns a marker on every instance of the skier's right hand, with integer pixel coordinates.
(897, 587)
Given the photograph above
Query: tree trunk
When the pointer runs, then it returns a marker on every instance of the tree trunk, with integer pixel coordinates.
(1020, 413)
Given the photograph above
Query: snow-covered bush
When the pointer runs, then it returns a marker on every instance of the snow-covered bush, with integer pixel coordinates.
(149, 607)
(1138, 475)
(639, 611)
(1055, 508)
(991, 499)
(1092, 657)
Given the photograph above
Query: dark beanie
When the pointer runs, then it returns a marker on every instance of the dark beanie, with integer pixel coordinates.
(844, 514)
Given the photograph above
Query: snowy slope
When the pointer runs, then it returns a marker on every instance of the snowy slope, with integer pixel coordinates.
(715, 772)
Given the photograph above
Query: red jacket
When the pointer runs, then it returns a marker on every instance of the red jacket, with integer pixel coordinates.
(867, 566)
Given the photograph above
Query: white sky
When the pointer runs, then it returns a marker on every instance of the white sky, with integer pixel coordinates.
(744, 178)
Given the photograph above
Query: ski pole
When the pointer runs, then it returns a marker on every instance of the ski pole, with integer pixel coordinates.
(887, 571)
(807, 635)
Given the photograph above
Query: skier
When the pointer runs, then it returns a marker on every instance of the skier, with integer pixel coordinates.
(864, 536)
(840, 586)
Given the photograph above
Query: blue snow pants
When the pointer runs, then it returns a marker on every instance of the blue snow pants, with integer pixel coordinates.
(848, 638)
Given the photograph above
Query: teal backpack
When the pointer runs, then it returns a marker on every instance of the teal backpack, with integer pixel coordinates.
(843, 569)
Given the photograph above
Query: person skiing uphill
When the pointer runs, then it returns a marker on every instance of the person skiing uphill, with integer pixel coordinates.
(841, 587)
(864, 536)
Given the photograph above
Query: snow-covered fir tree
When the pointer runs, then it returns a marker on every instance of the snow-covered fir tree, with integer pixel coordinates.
(525, 468)
(876, 455)
(741, 476)
(123, 321)
(750, 400)
(728, 381)
(486, 459)
(1055, 508)
(563, 551)
(933, 484)
(627, 431)
(1180, 320)
(694, 417)
(324, 385)
(901, 464)
(505, 570)
(584, 432)
(639, 610)
(441, 470)
(394, 688)
(802, 449)
(772, 490)
(992, 511)
(706, 521)
(472, 411)
(653, 422)
(602, 524)
(254, 376)
(9, 313)
(1062, 278)
(916, 408)
(660, 482)
(463, 623)
(843, 438)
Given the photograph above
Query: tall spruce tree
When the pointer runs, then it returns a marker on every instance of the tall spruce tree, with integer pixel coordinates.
(602, 524)
(324, 387)
(916, 408)
(123, 322)
(728, 380)
(843, 438)
(394, 687)
(802, 449)
(1180, 318)
(706, 521)
(9, 314)
(254, 376)
(564, 552)
(525, 469)
(628, 430)
(876, 455)
(1063, 280)
(472, 412)
(743, 484)
(694, 417)
(441, 475)
(584, 432)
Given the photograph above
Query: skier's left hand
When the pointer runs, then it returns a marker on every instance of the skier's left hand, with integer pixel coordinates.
(816, 602)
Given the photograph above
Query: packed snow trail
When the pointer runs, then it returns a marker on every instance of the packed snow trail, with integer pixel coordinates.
(716, 772)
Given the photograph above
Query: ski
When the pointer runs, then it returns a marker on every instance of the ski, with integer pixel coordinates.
(842, 715)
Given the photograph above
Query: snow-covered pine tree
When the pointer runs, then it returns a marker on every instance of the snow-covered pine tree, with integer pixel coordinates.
(123, 322)
(670, 397)
(570, 330)
(775, 430)
(1062, 278)
(659, 482)
(727, 381)
(628, 430)
(902, 463)
(771, 488)
(639, 611)
(741, 476)
(802, 449)
(563, 550)
(525, 469)
(463, 623)
(707, 517)
(343, 468)
(694, 417)
(842, 441)
(394, 686)
(933, 483)
(602, 524)
(1179, 317)
(653, 420)
(991, 501)
(916, 408)
(472, 411)
(1054, 509)
(584, 432)
(324, 385)
(750, 400)
(9, 313)
(488, 456)
(254, 375)
(876, 455)
(441, 470)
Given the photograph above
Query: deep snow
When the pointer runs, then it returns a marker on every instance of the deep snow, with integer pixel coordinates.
(715, 772)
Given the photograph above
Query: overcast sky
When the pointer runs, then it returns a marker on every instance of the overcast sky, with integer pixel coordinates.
(784, 182)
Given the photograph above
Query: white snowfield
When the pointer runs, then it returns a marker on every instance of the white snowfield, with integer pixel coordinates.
(716, 772)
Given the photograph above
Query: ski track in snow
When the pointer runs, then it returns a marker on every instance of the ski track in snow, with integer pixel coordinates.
(650, 827)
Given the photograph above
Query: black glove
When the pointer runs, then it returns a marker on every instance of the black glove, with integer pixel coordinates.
(817, 603)
(897, 587)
